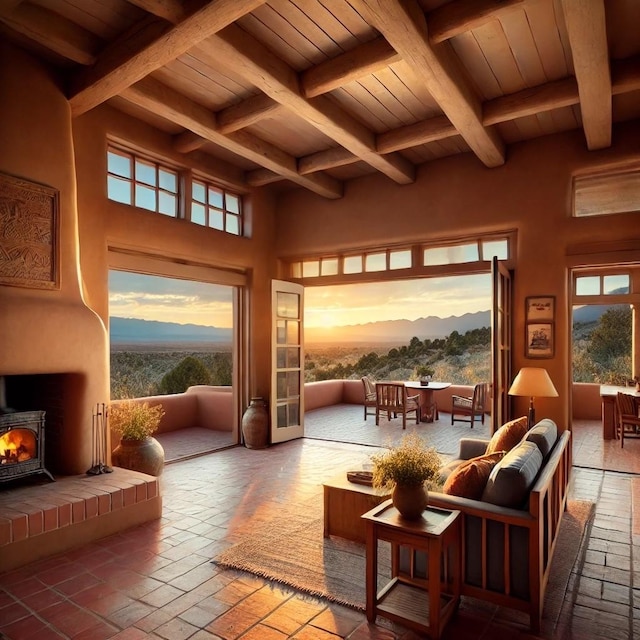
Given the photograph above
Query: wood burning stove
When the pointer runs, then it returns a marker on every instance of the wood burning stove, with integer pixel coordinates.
(22, 445)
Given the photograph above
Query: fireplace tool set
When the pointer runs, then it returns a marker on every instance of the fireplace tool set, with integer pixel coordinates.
(100, 421)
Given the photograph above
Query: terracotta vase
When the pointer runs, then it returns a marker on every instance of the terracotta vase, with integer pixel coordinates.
(255, 425)
(410, 500)
(146, 456)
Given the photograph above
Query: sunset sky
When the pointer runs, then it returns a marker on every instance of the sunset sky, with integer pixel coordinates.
(154, 298)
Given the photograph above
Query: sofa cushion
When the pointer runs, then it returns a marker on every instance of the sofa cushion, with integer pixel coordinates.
(511, 479)
(544, 435)
(508, 435)
(470, 478)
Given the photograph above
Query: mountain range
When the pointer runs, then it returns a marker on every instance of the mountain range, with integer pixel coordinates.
(132, 331)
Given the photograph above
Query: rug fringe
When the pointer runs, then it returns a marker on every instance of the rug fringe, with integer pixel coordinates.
(283, 581)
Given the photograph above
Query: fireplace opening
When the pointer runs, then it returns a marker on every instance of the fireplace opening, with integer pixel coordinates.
(22, 445)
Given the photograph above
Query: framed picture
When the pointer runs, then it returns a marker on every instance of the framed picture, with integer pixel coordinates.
(539, 340)
(540, 308)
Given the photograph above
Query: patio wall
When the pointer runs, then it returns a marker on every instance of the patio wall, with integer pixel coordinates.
(586, 397)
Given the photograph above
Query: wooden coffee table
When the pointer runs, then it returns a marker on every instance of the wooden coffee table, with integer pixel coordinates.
(344, 504)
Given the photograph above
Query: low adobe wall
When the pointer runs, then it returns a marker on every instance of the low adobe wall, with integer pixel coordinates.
(585, 396)
(202, 406)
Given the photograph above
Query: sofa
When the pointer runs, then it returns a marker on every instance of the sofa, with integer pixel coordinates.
(512, 502)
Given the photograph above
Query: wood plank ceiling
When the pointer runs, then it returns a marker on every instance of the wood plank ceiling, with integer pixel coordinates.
(316, 92)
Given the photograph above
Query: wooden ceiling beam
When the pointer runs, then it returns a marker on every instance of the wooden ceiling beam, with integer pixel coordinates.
(247, 112)
(360, 61)
(412, 135)
(248, 57)
(52, 31)
(327, 159)
(403, 24)
(528, 102)
(262, 177)
(460, 16)
(587, 31)
(167, 103)
(126, 60)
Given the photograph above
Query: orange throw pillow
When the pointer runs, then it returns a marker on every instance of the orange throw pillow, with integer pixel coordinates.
(470, 478)
(508, 435)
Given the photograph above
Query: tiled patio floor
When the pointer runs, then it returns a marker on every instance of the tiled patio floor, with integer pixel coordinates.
(157, 580)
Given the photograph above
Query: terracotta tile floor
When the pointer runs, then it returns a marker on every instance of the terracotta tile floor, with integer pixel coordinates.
(157, 580)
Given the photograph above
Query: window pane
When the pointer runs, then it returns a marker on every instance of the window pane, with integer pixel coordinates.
(288, 305)
(588, 286)
(145, 172)
(375, 262)
(233, 224)
(293, 382)
(198, 191)
(281, 359)
(233, 203)
(118, 164)
(615, 284)
(293, 361)
(197, 213)
(281, 331)
(145, 197)
(495, 248)
(400, 259)
(168, 180)
(215, 198)
(296, 270)
(119, 190)
(167, 204)
(329, 267)
(293, 332)
(352, 264)
(310, 269)
(456, 254)
(216, 219)
(282, 416)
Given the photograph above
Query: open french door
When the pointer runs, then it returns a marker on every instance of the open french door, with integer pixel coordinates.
(287, 361)
(501, 338)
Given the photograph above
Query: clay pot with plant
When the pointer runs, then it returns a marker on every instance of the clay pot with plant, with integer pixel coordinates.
(135, 422)
(408, 470)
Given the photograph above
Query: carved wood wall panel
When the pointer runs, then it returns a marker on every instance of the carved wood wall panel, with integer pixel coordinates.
(28, 234)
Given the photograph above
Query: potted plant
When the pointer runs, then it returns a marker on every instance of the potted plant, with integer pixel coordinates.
(405, 469)
(134, 422)
(424, 373)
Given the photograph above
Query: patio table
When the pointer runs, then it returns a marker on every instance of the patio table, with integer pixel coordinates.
(428, 407)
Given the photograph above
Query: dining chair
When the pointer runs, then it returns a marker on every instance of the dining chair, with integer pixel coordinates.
(369, 396)
(470, 406)
(392, 399)
(627, 414)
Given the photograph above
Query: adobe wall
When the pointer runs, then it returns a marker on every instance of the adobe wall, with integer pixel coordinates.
(458, 196)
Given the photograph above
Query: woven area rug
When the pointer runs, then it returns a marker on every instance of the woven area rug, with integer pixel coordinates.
(291, 550)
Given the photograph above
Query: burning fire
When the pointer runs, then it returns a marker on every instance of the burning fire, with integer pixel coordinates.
(17, 445)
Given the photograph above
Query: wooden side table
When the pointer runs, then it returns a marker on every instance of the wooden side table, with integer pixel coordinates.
(424, 605)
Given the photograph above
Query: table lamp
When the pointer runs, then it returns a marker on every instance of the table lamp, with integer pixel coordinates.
(535, 383)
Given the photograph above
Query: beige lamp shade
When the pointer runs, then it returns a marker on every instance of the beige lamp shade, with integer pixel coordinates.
(533, 382)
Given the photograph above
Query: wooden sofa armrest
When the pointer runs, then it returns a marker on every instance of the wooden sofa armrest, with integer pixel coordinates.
(484, 510)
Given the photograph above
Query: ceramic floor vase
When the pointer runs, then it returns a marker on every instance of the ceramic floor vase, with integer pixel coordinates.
(409, 500)
(255, 425)
(146, 456)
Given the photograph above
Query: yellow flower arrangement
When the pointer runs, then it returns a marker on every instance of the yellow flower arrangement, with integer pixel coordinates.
(134, 420)
(412, 462)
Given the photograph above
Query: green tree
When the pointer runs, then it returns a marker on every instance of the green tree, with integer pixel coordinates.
(187, 373)
(612, 337)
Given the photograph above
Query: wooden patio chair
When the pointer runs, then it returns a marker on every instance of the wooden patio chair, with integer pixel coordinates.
(471, 407)
(392, 399)
(627, 414)
(369, 396)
